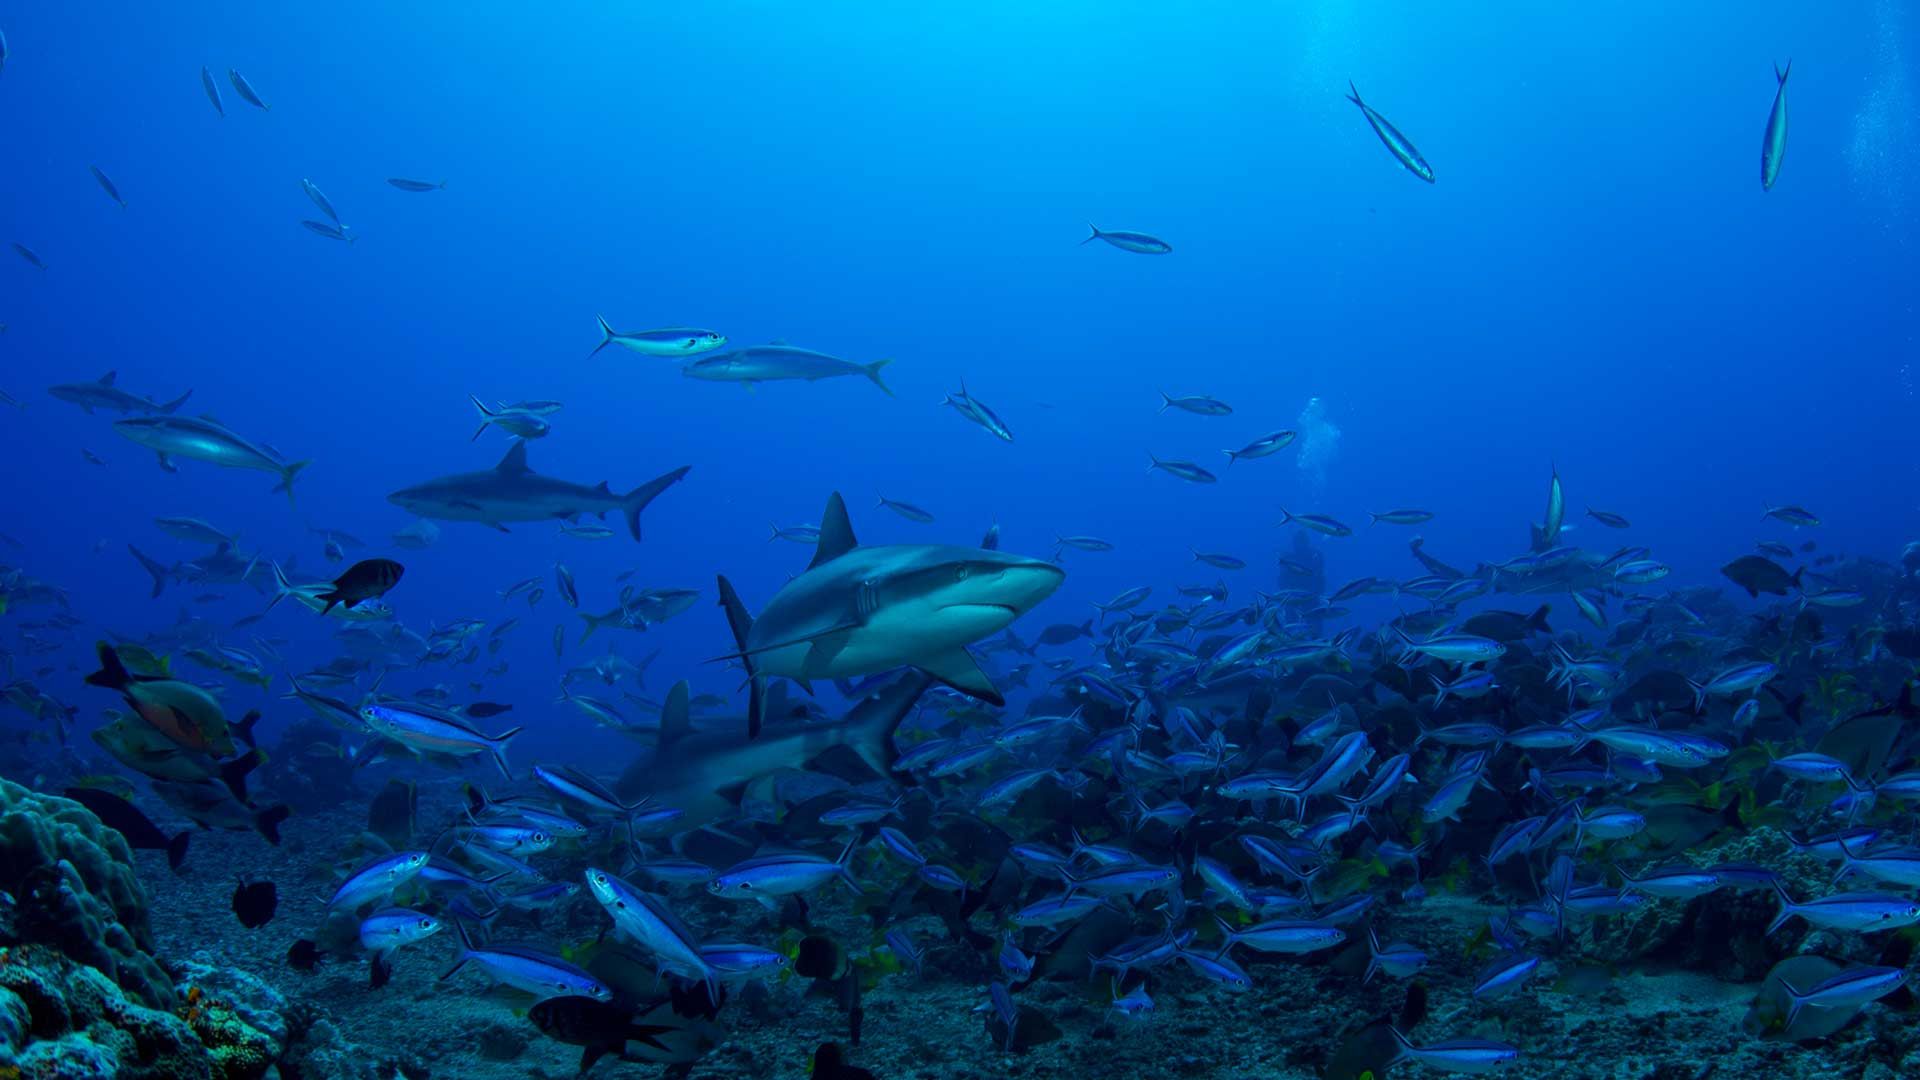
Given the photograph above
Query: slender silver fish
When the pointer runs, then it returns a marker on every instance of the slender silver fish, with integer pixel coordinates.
(1403, 151)
(213, 90)
(1773, 144)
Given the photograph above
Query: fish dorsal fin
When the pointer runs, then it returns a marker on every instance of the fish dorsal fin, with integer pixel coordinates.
(515, 461)
(107, 379)
(836, 532)
(602, 489)
(674, 721)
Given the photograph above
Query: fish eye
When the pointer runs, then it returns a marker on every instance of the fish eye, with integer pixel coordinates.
(961, 573)
(426, 924)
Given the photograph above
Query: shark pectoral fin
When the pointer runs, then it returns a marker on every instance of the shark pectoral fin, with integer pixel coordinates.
(807, 685)
(959, 670)
(821, 653)
(733, 793)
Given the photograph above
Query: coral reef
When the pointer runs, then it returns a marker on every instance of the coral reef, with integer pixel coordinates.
(74, 888)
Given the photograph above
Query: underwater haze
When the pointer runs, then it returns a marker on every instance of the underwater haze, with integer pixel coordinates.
(1280, 515)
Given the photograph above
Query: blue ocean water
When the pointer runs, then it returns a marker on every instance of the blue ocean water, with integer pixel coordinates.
(1595, 283)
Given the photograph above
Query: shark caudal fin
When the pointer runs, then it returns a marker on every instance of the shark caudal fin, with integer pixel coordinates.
(154, 569)
(741, 624)
(872, 371)
(173, 406)
(636, 500)
(878, 715)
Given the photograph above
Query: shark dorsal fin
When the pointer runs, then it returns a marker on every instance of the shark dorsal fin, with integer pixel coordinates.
(836, 532)
(107, 379)
(516, 459)
(674, 722)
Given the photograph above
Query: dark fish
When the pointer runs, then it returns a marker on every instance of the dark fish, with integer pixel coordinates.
(28, 254)
(1610, 520)
(368, 579)
(392, 813)
(1758, 574)
(254, 903)
(106, 185)
(599, 1027)
(304, 955)
(245, 89)
(126, 819)
(480, 710)
(405, 184)
(213, 90)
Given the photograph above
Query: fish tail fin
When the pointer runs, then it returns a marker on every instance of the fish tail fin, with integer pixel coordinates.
(872, 371)
(1353, 95)
(287, 474)
(466, 949)
(486, 417)
(244, 729)
(1231, 457)
(177, 849)
(1699, 695)
(1780, 74)
(282, 588)
(173, 406)
(267, 821)
(1093, 235)
(1166, 400)
(1787, 907)
(595, 622)
(741, 624)
(497, 747)
(1228, 935)
(112, 674)
(606, 336)
(636, 500)
(1402, 1046)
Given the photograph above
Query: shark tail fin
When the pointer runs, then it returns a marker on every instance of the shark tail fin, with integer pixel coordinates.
(157, 571)
(1092, 235)
(173, 406)
(287, 473)
(606, 336)
(872, 371)
(873, 739)
(741, 624)
(636, 500)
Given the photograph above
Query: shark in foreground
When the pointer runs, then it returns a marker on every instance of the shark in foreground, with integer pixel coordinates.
(864, 610)
(512, 491)
(705, 773)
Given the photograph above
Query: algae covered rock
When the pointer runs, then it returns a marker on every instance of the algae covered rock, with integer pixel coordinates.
(74, 888)
(79, 1023)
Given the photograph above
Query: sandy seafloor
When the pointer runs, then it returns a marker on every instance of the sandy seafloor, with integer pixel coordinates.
(1645, 1023)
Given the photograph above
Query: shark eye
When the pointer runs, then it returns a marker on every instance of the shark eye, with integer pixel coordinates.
(960, 574)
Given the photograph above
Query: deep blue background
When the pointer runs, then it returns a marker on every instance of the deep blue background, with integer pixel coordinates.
(1596, 280)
